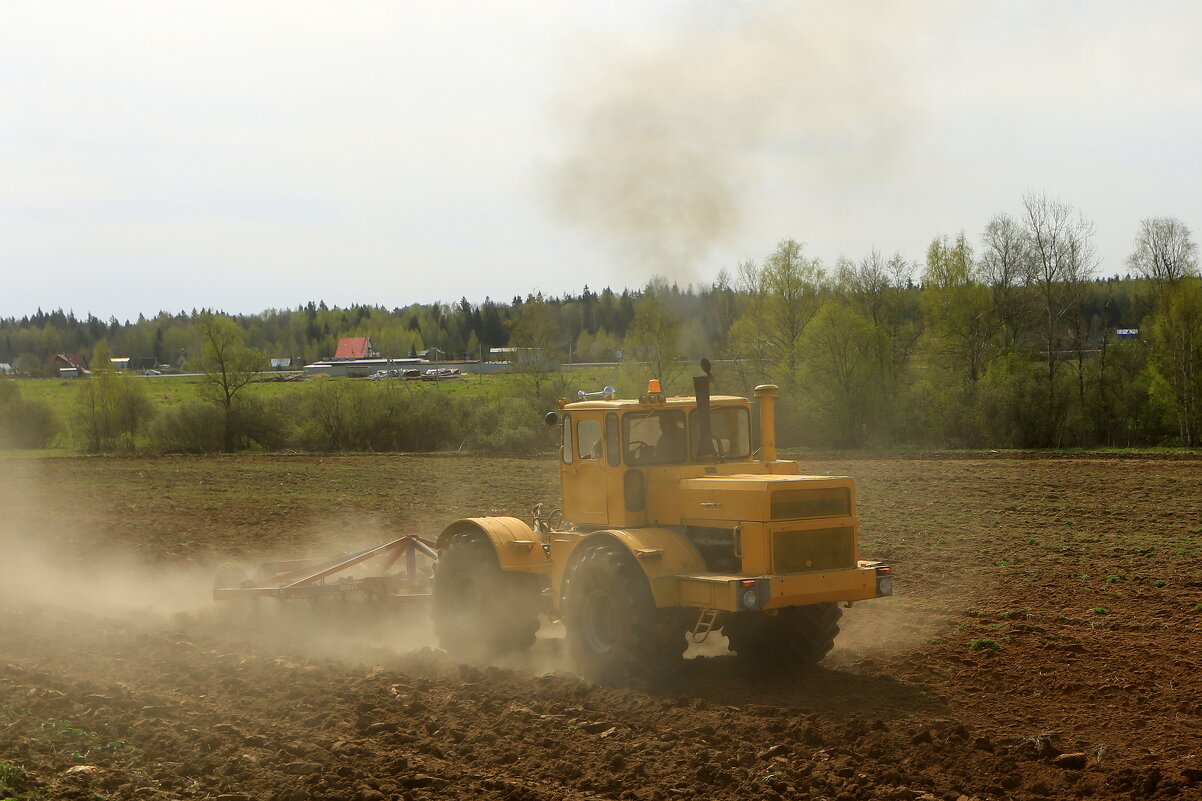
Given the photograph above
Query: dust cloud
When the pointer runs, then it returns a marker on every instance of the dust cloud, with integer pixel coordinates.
(55, 570)
(48, 560)
(663, 142)
(886, 626)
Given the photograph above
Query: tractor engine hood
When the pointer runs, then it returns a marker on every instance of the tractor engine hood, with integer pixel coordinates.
(766, 498)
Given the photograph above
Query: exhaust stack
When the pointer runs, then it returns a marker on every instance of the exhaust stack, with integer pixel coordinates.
(767, 395)
(705, 445)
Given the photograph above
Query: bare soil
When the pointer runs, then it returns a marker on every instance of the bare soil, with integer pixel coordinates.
(1043, 644)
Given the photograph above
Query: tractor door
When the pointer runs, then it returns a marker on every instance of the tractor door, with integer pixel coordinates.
(584, 475)
(627, 492)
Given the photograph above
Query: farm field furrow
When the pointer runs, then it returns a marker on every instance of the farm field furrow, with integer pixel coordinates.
(1042, 643)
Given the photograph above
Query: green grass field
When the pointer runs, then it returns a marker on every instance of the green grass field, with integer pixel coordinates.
(62, 395)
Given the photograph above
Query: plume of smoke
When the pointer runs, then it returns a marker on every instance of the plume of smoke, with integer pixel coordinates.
(662, 143)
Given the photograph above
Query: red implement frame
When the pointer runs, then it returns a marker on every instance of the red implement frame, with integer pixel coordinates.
(308, 578)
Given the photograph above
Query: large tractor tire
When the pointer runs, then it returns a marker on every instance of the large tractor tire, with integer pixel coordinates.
(615, 634)
(481, 611)
(795, 637)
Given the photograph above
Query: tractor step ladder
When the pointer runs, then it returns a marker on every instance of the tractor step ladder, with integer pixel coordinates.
(704, 625)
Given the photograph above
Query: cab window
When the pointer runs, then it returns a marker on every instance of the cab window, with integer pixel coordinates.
(588, 438)
(654, 437)
(567, 439)
(613, 441)
(731, 427)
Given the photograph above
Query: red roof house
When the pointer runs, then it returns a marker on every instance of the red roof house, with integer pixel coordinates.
(76, 360)
(353, 348)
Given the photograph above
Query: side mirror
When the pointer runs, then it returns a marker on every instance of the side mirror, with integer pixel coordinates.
(553, 419)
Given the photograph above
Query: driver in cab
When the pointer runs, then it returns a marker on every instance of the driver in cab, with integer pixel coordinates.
(673, 444)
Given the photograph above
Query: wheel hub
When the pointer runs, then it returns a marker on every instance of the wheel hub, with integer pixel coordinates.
(600, 622)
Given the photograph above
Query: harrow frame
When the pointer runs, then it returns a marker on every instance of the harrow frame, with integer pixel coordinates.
(310, 578)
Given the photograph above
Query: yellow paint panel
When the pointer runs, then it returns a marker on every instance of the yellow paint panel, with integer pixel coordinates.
(718, 592)
(517, 545)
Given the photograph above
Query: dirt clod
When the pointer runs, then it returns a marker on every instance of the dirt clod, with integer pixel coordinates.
(776, 750)
(302, 768)
(1074, 761)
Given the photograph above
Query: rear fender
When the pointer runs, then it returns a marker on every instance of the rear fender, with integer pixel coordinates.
(662, 553)
(516, 544)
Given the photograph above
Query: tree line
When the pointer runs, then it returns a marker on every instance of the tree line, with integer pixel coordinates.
(1008, 340)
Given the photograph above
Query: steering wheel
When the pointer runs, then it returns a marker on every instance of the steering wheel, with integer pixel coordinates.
(638, 450)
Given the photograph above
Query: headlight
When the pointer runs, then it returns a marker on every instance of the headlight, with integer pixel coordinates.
(750, 598)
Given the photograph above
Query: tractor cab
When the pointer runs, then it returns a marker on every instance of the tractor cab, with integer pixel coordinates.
(622, 460)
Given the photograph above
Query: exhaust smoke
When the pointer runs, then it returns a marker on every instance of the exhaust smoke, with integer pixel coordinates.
(665, 144)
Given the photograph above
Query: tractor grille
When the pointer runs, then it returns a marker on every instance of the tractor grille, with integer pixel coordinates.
(815, 549)
(810, 503)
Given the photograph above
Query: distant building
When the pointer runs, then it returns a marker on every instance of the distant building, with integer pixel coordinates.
(120, 362)
(279, 364)
(355, 348)
(5, 367)
(364, 368)
(357, 368)
(509, 354)
(76, 364)
(1127, 333)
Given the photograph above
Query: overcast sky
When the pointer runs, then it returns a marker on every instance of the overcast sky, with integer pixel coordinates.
(249, 155)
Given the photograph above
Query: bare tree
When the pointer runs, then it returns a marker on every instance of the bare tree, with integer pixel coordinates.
(1164, 252)
(865, 284)
(1167, 256)
(906, 323)
(1061, 261)
(748, 335)
(875, 287)
(1004, 264)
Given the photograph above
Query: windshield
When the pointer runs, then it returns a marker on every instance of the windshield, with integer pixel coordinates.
(654, 437)
(731, 428)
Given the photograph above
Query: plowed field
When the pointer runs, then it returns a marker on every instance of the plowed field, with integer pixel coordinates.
(1043, 643)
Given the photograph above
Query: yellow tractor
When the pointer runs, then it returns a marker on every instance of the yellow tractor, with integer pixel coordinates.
(671, 527)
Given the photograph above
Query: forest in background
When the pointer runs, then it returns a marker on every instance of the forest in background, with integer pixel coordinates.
(1008, 342)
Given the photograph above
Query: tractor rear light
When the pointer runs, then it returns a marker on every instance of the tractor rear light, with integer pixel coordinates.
(752, 594)
(884, 581)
